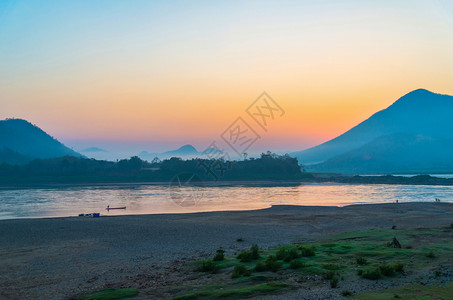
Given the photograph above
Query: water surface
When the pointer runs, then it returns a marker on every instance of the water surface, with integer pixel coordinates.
(154, 199)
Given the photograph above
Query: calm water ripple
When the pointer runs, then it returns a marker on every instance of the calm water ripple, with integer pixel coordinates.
(154, 199)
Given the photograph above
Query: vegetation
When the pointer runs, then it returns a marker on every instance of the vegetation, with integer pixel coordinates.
(240, 270)
(410, 292)
(109, 294)
(334, 282)
(238, 293)
(207, 266)
(219, 256)
(346, 293)
(346, 257)
(74, 169)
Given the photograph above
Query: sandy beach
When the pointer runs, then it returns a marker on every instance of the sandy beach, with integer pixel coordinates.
(60, 257)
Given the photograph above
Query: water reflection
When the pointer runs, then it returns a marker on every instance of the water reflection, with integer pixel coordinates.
(153, 199)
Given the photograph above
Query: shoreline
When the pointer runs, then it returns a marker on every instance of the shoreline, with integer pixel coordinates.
(339, 179)
(39, 257)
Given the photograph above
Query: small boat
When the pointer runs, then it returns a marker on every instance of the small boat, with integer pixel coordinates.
(109, 208)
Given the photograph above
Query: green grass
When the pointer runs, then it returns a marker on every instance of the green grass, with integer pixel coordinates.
(110, 294)
(255, 290)
(418, 292)
(348, 256)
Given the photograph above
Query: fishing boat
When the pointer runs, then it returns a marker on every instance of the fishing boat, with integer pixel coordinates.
(109, 208)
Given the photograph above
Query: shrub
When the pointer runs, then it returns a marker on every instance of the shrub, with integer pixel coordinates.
(220, 255)
(207, 266)
(346, 293)
(296, 264)
(437, 273)
(451, 225)
(359, 272)
(260, 267)
(361, 261)
(255, 251)
(240, 270)
(372, 274)
(239, 240)
(328, 275)
(387, 270)
(272, 264)
(334, 282)
(245, 256)
(307, 252)
(430, 254)
(287, 253)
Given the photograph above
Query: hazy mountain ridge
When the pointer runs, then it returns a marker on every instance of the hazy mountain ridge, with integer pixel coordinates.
(21, 141)
(419, 113)
(186, 152)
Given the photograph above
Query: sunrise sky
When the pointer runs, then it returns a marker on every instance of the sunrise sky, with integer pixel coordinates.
(154, 75)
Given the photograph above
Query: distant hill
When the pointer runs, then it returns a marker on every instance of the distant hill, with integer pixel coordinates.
(20, 142)
(414, 133)
(93, 149)
(186, 152)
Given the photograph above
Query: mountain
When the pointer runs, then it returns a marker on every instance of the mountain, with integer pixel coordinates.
(398, 153)
(20, 142)
(186, 152)
(420, 118)
(93, 149)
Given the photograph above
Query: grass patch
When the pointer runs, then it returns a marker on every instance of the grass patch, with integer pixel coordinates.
(240, 270)
(207, 266)
(260, 289)
(410, 292)
(334, 282)
(110, 294)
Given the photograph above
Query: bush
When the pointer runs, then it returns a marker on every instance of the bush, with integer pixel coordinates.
(288, 253)
(334, 282)
(239, 240)
(360, 272)
(245, 256)
(307, 252)
(372, 274)
(346, 293)
(207, 266)
(451, 225)
(296, 264)
(255, 251)
(387, 270)
(361, 261)
(430, 254)
(220, 255)
(272, 264)
(240, 270)
(260, 267)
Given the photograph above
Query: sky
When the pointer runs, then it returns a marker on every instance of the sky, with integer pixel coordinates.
(155, 75)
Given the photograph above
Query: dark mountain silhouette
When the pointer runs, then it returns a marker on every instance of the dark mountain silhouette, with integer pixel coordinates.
(20, 142)
(392, 154)
(186, 151)
(423, 118)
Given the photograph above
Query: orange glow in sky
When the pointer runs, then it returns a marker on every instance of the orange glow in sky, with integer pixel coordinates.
(180, 72)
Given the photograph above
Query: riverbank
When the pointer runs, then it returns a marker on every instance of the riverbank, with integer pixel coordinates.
(61, 257)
